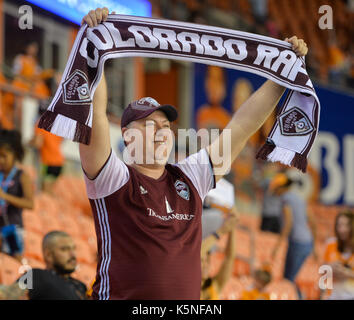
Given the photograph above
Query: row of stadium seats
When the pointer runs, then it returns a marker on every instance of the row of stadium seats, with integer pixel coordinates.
(69, 211)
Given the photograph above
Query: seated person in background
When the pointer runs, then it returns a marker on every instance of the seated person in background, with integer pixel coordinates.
(16, 193)
(339, 254)
(211, 288)
(55, 282)
(256, 291)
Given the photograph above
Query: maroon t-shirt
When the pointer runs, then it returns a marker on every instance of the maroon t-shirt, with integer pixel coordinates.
(148, 230)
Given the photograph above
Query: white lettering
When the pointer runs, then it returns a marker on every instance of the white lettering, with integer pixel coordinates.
(217, 50)
(117, 38)
(139, 33)
(334, 188)
(296, 69)
(240, 46)
(188, 39)
(166, 37)
(287, 58)
(93, 37)
(266, 54)
(348, 159)
(83, 51)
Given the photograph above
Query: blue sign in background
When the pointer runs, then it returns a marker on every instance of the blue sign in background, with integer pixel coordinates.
(74, 10)
(336, 118)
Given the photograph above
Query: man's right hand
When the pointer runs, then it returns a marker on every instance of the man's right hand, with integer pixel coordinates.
(95, 155)
(94, 17)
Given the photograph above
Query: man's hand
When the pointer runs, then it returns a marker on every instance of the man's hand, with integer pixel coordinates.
(298, 45)
(94, 17)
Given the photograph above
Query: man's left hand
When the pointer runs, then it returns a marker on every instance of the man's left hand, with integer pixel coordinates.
(298, 45)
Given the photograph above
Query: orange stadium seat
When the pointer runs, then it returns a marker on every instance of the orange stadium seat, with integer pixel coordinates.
(216, 259)
(85, 253)
(34, 263)
(282, 290)
(50, 222)
(235, 286)
(241, 267)
(32, 221)
(9, 269)
(69, 224)
(87, 227)
(33, 245)
(233, 290)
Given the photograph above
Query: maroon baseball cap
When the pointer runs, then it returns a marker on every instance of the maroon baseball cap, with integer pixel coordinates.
(143, 107)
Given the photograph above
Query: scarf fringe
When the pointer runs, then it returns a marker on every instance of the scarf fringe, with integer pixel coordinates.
(273, 153)
(65, 127)
(299, 162)
(264, 151)
(46, 120)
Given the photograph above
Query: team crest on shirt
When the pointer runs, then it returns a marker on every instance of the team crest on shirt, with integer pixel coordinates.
(143, 190)
(182, 189)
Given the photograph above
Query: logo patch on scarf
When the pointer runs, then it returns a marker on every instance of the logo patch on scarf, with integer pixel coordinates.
(182, 189)
(76, 89)
(295, 122)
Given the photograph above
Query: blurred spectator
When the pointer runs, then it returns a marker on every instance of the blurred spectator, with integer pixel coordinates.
(260, 10)
(52, 159)
(27, 70)
(213, 115)
(55, 282)
(337, 60)
(28, 78)
(271, 211)
(339, 254)
(16, 193)
(49, 147)
(297, 227)
(212, 286)
(257, 290)
(217, 203)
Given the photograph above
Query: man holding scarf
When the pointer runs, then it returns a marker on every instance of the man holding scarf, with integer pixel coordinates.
(148, 212)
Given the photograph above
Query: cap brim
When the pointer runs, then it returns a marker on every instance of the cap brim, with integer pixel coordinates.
(170, 111)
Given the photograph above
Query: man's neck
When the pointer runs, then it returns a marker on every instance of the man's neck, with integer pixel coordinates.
(155, 171)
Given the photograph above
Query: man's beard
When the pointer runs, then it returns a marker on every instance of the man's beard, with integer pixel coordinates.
(59, 269)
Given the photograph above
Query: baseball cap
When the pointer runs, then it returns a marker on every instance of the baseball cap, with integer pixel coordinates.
(143, 107)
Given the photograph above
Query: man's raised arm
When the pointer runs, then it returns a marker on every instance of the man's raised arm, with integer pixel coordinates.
(94, 155)
(248, 119)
